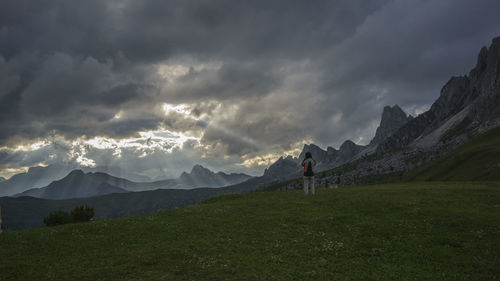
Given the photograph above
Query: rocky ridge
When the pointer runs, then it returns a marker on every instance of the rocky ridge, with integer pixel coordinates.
(467, 106)
(288, 167)
(393, 118)
(78, 184)
(472, 99)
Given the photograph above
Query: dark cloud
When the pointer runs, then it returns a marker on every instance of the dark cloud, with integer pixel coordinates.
(257, 76)
(229, 81)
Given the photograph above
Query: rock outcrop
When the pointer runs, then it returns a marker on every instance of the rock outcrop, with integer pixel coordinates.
(318, 154)
(485, 84)
(392, 119)
(347, 151)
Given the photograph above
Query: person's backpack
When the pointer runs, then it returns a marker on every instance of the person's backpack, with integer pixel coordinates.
(309, 170)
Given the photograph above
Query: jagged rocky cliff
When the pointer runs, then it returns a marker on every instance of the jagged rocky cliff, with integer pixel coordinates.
(471, 102)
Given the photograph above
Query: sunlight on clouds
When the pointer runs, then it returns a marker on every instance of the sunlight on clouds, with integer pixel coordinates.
(265, 160)
(78, 153)
(85, 162)
(33, 146)
(172, 71)
(147, 142)
(102, 143)
(259, 160)
(163, 139)
(8, 172)
(180, 108)
(295, 152)
(118, 115)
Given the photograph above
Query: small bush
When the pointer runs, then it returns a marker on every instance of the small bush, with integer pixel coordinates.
(78, 214)
(57, 217)
(82, 214)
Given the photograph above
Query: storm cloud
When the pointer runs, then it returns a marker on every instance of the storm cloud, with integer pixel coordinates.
(235, 80)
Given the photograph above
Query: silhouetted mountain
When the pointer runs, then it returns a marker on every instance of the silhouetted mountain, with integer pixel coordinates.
(77, 184)
(321, 156)
(282, 169)
(118, 172)
(289, 167)
(203, 177)
(2, 179)
(35, 177)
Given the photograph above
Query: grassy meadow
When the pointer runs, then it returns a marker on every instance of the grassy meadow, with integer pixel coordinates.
(404, 231)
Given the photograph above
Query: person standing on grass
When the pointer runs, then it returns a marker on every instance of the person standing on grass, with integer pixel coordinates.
(308, 165)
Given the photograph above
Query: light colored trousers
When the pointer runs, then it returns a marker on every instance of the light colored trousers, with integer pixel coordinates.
(308, 183)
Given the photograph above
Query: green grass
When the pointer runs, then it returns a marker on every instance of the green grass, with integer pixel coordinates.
(478, 159)
(408, 231)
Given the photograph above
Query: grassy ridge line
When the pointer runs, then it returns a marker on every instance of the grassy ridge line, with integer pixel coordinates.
(478, 159)
(417, 231)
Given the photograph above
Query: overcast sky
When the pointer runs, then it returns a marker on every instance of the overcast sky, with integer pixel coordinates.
(154, 87)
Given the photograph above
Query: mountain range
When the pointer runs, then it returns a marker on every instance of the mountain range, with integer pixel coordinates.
(78, 184)
(392, 119)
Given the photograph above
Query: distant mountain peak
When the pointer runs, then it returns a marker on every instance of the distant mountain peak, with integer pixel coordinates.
(346, 144)
(35, 177)
(77, 184)
(197, 169)
(76, 172)
(204, 177)
(348, 150)
(392, 119)
(317, 152)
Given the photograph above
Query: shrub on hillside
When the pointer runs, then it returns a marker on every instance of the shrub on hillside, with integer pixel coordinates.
(82, 214)
(56, 218)
(78, 214)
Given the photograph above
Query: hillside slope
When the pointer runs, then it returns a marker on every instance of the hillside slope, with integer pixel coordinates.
(28, 212)
(426, 231)
(478, 159)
